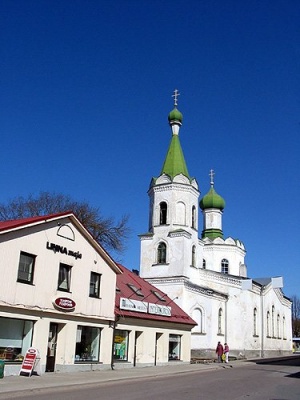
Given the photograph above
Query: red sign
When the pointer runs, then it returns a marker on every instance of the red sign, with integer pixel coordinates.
(29, 361)
(65, 304)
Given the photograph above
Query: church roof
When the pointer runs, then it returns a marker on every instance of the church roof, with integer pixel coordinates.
(174, 162)
(212, 200)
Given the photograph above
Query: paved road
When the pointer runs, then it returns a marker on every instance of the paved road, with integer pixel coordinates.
(278, 380)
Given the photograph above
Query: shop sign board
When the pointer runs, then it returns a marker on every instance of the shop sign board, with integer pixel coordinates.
(31, 358)
(133, 305)
(160, 310)
(65, 303)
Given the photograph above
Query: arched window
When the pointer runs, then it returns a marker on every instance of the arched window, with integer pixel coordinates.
(194, 256)
(161, 253)
(194, 217)
(278, 326)
(268, 324)
(273, 321)
(204, 263)
(220, 315)
(180, 213)
(197, 316)
(224, 266)
(255, 322)
(283, 328)
(163, 208)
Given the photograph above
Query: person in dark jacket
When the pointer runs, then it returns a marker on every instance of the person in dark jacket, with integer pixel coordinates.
(219, 351)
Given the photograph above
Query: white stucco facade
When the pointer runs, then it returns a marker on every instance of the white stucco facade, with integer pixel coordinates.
(208, 276)
(57, 332)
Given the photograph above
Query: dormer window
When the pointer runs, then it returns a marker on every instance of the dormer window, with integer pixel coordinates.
(163, 213)
(136, 290)
(160, 296)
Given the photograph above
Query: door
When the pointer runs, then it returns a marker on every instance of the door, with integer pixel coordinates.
(52, 340)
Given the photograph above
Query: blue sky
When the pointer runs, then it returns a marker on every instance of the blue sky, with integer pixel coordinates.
(86, 89)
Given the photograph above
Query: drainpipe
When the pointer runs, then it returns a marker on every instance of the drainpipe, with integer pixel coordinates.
(262, 322)
(113, 325)
(226, 319)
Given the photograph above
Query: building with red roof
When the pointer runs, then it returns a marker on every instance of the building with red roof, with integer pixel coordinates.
(64, 296)
(150, 328)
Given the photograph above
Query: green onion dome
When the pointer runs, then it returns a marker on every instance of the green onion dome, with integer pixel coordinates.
(175, 116)
(212, 200)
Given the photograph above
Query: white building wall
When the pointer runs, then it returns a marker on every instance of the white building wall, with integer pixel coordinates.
(35, 301)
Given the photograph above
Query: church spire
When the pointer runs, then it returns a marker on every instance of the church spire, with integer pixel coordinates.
(174, 162)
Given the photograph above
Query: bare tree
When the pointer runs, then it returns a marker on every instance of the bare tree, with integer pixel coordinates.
(110, 234)
(296, 315)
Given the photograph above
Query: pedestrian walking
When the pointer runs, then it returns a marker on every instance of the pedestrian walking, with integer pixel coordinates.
(219, 351)
(226, 352)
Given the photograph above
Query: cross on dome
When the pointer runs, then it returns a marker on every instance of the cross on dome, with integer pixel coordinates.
(175, 95)
(211, 174)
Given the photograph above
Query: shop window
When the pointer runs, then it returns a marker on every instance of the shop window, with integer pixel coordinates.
(87, 344)
(26, 267)
(161, 253)
(163, 208)
(64, 277)
(95, 285)
(121, 345)
(224, 266)
(15, 338)
(174, 347)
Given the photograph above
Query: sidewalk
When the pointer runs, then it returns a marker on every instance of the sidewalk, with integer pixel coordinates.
(18, 384)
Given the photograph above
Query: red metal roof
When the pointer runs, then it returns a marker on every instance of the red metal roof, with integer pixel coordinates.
(130, 278)
(18, 223)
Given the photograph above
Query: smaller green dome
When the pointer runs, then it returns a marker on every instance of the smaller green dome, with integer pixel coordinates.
(175, 115)
(212, 200)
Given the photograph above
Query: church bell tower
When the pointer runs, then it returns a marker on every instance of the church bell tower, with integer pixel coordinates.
(169, 247)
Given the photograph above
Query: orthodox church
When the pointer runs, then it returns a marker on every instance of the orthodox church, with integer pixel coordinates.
(207, 276)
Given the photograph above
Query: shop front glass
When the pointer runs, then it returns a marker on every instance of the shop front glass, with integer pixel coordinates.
(87, 344)
(15, 338)
(174, 347)
(121, 345)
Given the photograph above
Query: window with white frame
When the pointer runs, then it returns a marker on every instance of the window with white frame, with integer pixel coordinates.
(64, 277)
(224, 266)
(26, 267)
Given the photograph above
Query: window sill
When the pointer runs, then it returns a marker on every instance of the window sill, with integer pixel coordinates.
(26, 282)
(155, 265)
